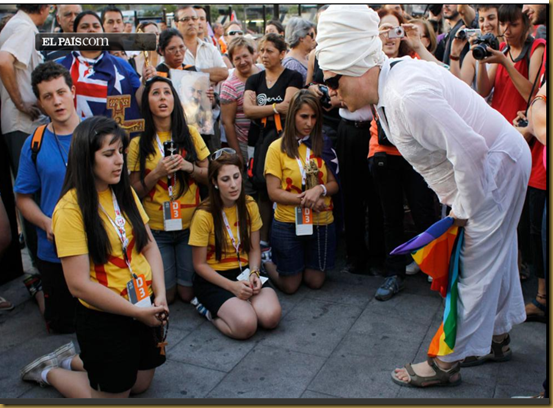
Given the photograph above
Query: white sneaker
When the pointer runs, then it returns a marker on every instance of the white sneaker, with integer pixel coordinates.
(429, 279)
(64, 352)
(412, 269)
(33, 371)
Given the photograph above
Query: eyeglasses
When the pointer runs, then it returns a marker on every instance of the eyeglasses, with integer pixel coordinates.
(186, 19)
(235, 32)
(227, 150)
(333, 82)
(312, 35)
(173, 50)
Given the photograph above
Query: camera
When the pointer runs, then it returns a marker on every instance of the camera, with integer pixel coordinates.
(467, 32)
(325, 99)
(522, 123)
(396, 32)
(479, 51)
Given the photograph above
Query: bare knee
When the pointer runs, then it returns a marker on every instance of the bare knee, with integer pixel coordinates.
(271, 318)
(186, 293)
(143, 381)
(244, 327)
(314, 279)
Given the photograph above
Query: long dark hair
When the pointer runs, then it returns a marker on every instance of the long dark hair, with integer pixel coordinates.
(179, 133)
(86, 13)
(289, 140)
(87, 139)
(214, 205)
(404, 49)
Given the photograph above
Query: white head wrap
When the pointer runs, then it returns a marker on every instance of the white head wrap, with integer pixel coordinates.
(348, 41)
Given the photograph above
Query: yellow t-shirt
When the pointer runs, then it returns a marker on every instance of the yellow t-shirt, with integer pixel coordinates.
(286, 169)
(153, 201)
(71, 240)
(202, 234)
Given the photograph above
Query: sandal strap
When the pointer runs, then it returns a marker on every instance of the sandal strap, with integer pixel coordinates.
(541, 296)
(497, 348)
(543, 308)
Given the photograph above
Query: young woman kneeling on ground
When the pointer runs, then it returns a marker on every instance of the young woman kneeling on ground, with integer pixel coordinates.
(113, 266)
(225, 238)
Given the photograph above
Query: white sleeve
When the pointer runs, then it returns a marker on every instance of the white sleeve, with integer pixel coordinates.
(431, 121)
(19, 45)
(217, 58)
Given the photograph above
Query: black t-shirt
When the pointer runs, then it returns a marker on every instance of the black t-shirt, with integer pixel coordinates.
(268, 96)
(275, 94)
(165, 71)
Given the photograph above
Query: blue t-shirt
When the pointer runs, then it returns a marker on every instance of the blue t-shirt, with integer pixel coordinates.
(47, 177)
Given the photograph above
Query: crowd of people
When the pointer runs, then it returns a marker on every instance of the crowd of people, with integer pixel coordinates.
(363, 126)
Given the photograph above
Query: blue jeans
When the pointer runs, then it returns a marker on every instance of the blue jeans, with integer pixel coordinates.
(177, 257)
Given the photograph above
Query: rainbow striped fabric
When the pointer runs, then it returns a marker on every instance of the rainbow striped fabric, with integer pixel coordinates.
(437, 251)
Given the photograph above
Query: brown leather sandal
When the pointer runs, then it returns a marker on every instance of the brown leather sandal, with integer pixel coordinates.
(441, 378)
(497, 354)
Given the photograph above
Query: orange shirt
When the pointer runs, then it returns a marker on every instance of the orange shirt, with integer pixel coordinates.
(375, 147)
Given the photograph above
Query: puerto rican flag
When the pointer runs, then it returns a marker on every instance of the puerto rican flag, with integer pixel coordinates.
(95, 79)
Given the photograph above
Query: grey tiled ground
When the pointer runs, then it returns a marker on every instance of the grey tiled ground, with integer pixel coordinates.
(337, 342)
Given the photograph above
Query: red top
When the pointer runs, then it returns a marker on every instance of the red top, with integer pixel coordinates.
(506, 98)
(538, 176)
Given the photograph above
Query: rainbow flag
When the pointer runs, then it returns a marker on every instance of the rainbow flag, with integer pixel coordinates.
(437, 251)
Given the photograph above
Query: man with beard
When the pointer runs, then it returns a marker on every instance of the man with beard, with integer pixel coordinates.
(455, 19)
(537, 13)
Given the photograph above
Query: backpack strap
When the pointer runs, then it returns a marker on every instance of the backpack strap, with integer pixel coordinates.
(36, 142)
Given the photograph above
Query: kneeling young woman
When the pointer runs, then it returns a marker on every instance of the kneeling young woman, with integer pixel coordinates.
(112, 265)
(300, 180)
(225, 238)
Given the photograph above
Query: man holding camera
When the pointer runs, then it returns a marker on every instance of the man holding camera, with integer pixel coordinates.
(468, 154)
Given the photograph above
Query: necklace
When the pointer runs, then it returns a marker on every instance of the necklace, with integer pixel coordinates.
(322, 265)
(60, 147)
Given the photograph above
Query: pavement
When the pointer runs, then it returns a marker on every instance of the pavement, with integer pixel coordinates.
(336, 342)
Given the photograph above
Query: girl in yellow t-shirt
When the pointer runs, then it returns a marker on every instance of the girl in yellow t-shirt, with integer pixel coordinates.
(168, 184)
(112, 265)
(299, 170)
(225, 240)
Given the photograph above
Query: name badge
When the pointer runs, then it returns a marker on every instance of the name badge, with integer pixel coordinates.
(172, 220)
(304, 221)
(138, 292)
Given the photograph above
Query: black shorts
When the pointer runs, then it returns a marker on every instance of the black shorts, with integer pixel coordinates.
(213, 296)
(114, 348)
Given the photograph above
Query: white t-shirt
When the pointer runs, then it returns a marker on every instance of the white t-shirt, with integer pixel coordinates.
(18, 38)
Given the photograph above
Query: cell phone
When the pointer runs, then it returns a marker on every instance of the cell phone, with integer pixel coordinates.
(396, 32)
(169, 148)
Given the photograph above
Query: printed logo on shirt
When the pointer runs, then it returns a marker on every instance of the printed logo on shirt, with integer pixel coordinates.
(263, 99)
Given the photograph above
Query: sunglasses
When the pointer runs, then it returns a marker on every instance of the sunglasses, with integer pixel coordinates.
(227, 150)
(312, 35)
(333, 82)
(237, 32)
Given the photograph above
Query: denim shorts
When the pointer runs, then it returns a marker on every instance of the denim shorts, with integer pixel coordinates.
(176, 255)
(293, 254)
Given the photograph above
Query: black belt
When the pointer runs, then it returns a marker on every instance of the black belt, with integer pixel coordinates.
(358, 125)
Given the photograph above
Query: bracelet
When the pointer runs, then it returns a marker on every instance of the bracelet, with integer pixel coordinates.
(454, 57)
(193, 169)
(275, 109)
(324, 189)
(255, 272)
(538, 98)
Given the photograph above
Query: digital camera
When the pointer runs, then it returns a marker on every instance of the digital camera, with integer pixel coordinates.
(465, 33)
(479, 50)
(396, 32)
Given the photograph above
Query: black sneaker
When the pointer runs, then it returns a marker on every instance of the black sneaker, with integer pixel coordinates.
(389, 288)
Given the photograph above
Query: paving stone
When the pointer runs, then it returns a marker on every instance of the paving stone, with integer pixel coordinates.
(314, 327)
(465, 390)
(23, 320)
(14, 359)
(317, 395)
(411, 308)
(175, 336)
(338, 292)
(184, 316)
(353, 376)
(289, 302)
(37, 391)
(207, 347)
(509, 391)
(179, 380)
(269, 372)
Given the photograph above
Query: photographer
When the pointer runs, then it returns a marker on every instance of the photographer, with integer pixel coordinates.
(515, 65)
(487, 23)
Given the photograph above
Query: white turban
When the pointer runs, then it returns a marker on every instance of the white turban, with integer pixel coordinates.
(348, 41)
